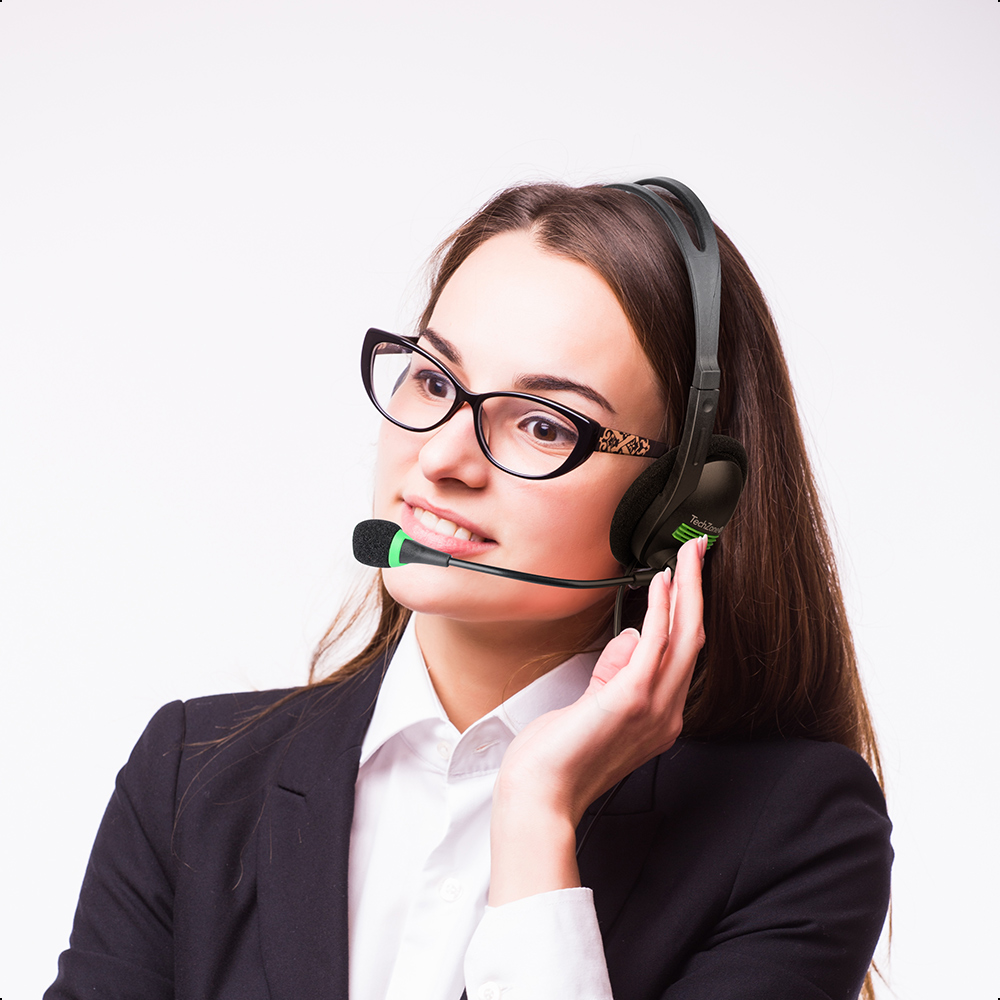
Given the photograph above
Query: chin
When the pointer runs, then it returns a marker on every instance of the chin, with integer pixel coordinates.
(466, 596)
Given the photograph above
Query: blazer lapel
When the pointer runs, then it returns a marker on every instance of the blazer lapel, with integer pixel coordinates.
(304, 834)
(303, 840)
(617, 845)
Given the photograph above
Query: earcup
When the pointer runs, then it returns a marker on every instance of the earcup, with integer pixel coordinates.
(635, 503)
(716, 503)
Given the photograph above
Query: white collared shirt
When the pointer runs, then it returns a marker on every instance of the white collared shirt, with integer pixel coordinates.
(419, 869)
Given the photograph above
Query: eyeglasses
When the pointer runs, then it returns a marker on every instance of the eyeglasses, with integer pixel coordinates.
(525, 435)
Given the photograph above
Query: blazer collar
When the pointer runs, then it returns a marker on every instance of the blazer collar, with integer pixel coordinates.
(303, 839)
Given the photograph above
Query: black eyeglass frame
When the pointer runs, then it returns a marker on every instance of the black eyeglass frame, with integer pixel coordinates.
(592, 436)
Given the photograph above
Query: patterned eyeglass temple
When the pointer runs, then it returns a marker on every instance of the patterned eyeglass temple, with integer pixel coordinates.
(620, 443)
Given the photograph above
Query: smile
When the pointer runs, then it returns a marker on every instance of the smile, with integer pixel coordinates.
(444, 527)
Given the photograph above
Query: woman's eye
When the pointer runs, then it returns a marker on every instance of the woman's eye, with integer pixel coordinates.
(434, 384)
(543, 430)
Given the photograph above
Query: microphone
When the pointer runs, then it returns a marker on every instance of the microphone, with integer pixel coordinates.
(385, 544)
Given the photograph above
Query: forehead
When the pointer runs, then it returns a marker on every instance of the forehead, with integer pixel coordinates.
(513, 308)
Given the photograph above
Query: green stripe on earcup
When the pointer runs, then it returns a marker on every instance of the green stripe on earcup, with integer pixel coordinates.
(685, 533)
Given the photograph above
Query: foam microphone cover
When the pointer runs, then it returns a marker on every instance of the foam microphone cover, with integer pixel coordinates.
(372, 540)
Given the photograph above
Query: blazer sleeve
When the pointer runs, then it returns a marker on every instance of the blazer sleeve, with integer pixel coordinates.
(810, 895)
(122, 940)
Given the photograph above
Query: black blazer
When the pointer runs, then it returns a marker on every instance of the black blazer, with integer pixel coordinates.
(750, 870)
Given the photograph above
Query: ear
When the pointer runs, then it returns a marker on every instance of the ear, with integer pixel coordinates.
(704, 511)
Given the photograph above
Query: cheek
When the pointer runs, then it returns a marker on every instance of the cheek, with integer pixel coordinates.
(566, 532)
(592, 508)
(396, 455)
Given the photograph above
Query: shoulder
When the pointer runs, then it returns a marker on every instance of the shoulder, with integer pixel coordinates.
(231, 741)
(774, 789)
(187, 739)
(180, 728)
(758, 811)
(765, 768)
(768, 867)
(784, 809)
(260, 716)
(775, 755)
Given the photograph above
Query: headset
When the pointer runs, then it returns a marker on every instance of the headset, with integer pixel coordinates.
(693, 489)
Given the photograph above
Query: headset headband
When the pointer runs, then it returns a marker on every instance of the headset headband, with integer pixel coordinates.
(705, 277)
(702, 263)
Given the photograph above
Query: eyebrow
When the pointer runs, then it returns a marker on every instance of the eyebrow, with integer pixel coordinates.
(524, 383)
(446, 347)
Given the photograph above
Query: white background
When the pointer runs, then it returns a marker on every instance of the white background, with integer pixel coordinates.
(204, 204)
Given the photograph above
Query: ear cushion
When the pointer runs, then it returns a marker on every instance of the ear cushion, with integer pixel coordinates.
(641, 494)
(634, 504)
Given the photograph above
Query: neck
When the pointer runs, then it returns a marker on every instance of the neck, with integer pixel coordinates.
(475, 666)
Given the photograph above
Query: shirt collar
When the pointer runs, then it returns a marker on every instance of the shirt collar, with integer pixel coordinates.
(407, 696)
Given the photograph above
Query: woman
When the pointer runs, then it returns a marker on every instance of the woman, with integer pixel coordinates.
(408, 825)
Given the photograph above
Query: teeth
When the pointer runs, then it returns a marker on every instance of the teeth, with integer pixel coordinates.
(443, 526)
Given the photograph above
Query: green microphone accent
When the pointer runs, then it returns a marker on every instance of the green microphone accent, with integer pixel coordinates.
(397, 543)
(685, 533)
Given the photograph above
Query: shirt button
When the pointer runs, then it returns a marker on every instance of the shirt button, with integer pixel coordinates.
(444, 751)
(450, 890)
(488, 991)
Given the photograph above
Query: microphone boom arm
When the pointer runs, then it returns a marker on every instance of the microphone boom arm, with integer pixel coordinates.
(640, 578)
(409, 551)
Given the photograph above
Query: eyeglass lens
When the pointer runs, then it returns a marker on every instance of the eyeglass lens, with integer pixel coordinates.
(522, 435)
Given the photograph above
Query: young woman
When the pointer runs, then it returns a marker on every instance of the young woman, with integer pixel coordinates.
(408, 824)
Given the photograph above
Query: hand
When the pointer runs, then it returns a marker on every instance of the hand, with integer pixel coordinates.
(631, 711)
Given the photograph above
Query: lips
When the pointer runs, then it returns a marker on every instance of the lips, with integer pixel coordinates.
(440, 531)
(443, 526)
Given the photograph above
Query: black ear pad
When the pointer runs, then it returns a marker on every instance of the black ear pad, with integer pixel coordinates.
(635, 503)
(714, 504)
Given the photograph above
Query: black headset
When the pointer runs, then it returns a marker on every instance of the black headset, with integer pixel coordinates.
(693, 489)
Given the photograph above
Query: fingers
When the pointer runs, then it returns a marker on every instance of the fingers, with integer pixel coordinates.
(688, 605)
(649, 648)
(656, 623)
(672, 632)
(617, 654)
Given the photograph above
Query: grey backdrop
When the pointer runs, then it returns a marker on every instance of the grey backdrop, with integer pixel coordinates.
(203, 205)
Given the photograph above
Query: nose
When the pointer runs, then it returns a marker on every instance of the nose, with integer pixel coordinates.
(453, 452)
